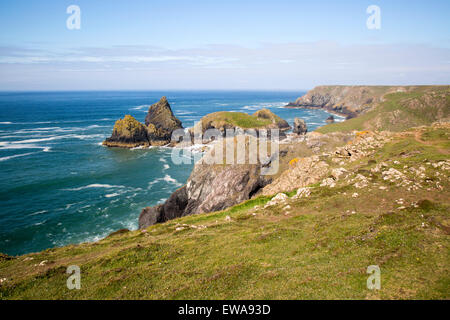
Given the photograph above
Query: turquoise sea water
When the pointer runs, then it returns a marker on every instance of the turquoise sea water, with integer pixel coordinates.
(59, 186)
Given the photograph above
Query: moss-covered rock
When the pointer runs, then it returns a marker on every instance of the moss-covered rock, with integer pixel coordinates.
(128, 133)
(276, 121)
(262, 119)
(157, 131)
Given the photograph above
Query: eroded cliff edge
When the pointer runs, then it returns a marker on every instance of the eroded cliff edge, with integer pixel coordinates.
(348, 101)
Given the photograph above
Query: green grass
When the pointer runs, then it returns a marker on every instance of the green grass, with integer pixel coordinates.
(240, 119)
(400, 111)
(319, 250)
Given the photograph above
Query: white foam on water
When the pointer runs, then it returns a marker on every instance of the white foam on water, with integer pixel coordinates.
(38, 212)
(140, 107)
(111, 195)
(6, 122)
(95, 185)
(169, 179)
(16, 156)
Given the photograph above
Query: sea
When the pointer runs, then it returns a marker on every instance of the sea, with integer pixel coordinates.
(60, 186)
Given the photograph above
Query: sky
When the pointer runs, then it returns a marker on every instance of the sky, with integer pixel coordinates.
(221, 45)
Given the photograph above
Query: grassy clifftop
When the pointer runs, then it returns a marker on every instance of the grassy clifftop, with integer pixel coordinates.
(307, 247)
(262, 119)
(401, 110)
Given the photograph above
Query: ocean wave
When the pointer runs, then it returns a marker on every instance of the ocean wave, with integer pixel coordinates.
(53, 138)
(183, 113)
(6, 122)
(95, 185)
(258, 106)
(16, 156)
(38, 212)
(140, 107)
(112, 195)
(169, 179)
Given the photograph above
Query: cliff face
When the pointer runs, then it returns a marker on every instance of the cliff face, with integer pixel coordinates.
(210, 187)
(346, 100)
(160, 122)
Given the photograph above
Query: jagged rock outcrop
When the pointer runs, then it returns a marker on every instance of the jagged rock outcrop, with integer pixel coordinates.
(160, 122)
(300, 126)
(210, 187)
(306, 171)
(128, 133)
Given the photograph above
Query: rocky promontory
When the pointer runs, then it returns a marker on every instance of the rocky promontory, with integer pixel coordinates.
(160, 122)
(348, 101)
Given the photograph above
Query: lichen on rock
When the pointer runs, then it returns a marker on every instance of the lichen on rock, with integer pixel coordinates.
(128, 133)
(160, 123)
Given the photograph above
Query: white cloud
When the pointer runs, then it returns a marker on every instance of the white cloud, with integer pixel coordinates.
(271, 66)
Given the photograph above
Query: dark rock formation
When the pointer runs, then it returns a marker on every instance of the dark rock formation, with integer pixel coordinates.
(210, 187)
(300, 126)
(161, 122)
(174, 207)
(159, 125)
(330, 119)
(128, 133)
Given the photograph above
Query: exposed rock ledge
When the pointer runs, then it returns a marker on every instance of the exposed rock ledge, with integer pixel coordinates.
(160, 122)
(210, 187)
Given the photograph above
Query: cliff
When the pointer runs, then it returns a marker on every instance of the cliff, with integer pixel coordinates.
(387, 205)
(210, 187)
(346, 100)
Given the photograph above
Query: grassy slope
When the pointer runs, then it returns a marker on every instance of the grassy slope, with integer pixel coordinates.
(239, 119)
(321, 249)
(397, 113)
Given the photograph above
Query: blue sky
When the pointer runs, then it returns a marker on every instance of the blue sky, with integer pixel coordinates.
(280, 45)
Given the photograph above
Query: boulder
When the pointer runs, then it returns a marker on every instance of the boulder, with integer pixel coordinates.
(330, 119)
(300, 126)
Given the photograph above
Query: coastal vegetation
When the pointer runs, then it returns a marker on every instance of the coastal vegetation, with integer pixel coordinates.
(372, 190)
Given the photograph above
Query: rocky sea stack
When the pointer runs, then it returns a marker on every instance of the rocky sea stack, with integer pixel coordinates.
(128, 133)
(160, 122)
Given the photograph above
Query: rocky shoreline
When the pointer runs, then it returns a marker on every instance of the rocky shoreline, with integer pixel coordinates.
(215, 187)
